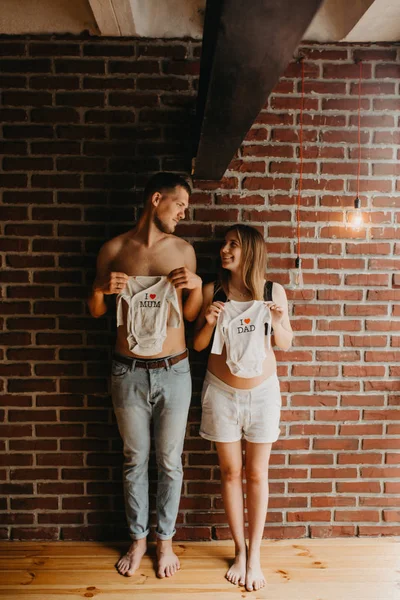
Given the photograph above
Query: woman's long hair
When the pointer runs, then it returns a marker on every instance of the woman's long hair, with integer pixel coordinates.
(254, 261)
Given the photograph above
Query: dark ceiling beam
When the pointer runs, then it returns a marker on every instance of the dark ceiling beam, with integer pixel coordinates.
(246, 48)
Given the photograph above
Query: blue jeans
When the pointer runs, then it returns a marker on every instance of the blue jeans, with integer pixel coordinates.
(139, 396)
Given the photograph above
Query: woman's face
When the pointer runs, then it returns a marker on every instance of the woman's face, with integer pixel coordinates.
(231, 252)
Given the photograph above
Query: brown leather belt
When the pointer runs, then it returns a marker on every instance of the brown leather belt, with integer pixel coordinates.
(159, 363)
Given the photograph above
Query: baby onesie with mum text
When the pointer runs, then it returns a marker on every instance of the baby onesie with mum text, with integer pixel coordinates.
(152, 305)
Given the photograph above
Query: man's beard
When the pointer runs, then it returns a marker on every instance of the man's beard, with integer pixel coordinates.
(162, 226)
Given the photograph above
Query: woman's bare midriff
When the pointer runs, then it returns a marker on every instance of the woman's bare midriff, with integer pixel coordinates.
(218, 367)
(174, 343)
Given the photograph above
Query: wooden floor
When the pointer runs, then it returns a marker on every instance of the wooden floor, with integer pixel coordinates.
(331, 569)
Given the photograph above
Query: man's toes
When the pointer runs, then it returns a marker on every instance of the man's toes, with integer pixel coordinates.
(121, 568)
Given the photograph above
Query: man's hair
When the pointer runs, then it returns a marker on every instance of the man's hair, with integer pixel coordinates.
(165, 182)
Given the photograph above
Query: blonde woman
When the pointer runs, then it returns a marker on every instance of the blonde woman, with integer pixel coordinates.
(246, 406)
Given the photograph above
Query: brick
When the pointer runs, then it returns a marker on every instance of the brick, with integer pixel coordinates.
(392, 104)
(79, 66)
(292, 136)
(162, 83)
(357, 516)
(28, 131)
(293, 103)
(78, 132)
(345, 71)
(35, 533)
(345, 136)
(294, 69)
(53, 49)
(335, 88)
(11, 115)
(34, 385)
(268, 151)
(25, 65)
(55, 181)
(335, 444)
(322, 531)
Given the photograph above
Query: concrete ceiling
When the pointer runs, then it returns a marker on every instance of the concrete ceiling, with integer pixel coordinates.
(336, 20)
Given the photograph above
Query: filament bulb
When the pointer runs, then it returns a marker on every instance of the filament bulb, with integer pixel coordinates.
(296, 275)
(357, 218)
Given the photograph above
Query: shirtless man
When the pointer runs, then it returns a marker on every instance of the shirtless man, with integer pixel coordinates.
(157, 387)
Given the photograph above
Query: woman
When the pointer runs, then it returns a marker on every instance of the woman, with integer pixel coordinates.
(243, 406)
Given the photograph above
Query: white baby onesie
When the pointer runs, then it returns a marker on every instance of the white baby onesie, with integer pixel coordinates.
(241, 327)
(152, 304)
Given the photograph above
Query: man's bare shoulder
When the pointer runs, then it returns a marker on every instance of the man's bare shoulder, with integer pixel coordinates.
(117, 243)
(180, 244)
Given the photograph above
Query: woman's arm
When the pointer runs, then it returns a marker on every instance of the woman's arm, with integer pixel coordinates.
(283, 332)
(207, 318)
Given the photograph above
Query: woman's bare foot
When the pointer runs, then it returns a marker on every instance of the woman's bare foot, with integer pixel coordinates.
(255, 579)
(168, 562)
(236, 574)
(129, 563)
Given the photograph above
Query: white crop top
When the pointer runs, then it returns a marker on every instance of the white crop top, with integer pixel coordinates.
(241, 328)
(152, 305)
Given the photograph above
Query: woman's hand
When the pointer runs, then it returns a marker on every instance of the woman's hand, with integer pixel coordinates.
(277, 313)
(212, 313)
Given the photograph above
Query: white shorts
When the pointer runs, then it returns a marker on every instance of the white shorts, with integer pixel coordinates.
(228, 414)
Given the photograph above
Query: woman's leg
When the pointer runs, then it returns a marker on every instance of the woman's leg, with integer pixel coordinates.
(257, 460)
(231, 464)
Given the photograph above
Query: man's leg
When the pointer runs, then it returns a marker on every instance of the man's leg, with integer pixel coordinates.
(172, 401)
(133, 414)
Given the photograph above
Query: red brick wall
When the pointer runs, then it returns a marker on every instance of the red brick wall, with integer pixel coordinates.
(84, 123)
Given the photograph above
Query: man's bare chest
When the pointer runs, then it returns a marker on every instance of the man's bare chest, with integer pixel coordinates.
(147, 262)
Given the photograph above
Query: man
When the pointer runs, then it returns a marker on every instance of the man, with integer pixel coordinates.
(156, 386)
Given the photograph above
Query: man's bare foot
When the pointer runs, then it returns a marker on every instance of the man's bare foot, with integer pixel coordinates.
(168, 562)
(236, 574)
(129, 563)
(255, 579)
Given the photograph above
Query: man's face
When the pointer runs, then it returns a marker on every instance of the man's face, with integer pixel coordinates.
(170, 209)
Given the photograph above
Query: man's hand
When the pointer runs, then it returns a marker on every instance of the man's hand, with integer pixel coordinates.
(112, 283)
(182, 278)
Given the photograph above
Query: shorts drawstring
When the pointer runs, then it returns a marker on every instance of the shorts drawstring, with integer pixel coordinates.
(249, 408)
(237, 403)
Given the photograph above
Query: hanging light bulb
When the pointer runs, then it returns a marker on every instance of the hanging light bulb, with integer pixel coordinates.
(356, 217)
(296, 275)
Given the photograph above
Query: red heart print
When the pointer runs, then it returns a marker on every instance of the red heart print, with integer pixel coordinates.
(152, 296)
(247, 321)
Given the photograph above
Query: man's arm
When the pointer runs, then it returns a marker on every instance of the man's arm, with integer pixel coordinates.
(207, 319)
(106, 282)
(185, 278)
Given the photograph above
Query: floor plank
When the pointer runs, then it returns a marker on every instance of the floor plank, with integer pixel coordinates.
(322, 569)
